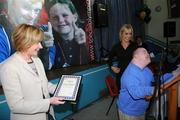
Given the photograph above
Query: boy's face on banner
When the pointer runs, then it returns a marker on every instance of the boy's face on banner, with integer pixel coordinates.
(62, 18)
(25, 11)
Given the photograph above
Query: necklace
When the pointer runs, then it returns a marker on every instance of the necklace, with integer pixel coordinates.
(125, 45)
(64, 57)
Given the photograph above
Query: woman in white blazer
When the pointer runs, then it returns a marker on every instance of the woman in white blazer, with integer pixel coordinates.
(23, 77)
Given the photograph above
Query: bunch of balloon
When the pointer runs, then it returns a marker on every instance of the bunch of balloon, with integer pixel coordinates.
(144, 14)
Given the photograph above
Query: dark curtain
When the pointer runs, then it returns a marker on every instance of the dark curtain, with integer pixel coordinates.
(119, 12)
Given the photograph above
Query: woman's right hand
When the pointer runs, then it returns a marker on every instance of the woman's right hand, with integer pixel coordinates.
(115, 69)
(56, 101)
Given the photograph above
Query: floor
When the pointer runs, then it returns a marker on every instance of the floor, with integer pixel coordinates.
(97, 111)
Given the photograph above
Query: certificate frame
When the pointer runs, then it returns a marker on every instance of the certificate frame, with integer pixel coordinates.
(68, 87)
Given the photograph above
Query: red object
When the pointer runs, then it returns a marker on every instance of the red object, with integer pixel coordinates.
(112, 87)
(113, 90)
(43, 17)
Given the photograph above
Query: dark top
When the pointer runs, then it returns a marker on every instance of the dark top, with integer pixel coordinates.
(69, 53)
(123, 56)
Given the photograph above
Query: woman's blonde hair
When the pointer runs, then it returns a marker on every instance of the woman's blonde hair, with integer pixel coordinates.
(125, 27)
(24, 36)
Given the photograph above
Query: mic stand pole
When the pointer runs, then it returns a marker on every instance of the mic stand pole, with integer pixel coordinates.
(159, 85)
(102, 49)
(159, 94)
(167, 47)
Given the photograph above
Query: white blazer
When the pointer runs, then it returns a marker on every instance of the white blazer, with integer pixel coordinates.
(24, 89)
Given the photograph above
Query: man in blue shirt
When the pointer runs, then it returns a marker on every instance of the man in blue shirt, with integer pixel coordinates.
(136, 86)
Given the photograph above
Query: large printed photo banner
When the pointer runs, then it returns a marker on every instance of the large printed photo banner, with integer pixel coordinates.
(70, 21)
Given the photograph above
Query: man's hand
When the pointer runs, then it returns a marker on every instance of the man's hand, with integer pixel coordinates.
(79, 34)
(148, 97)
(48, 37)
(155, 94)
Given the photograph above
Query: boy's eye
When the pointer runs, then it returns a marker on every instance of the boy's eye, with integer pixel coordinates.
(55, 18)
(65, 15)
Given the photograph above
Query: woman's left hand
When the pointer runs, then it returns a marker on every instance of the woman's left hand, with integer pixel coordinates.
(56, 101)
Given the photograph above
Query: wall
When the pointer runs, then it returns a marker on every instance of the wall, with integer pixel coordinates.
(155, 27)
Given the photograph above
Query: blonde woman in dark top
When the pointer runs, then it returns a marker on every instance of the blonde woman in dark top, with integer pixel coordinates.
(122, 51)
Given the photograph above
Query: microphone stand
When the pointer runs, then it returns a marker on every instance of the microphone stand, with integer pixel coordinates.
(102, 49)
(158, 84)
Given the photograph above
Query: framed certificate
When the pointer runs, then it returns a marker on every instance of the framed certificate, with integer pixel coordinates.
(68, 87)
